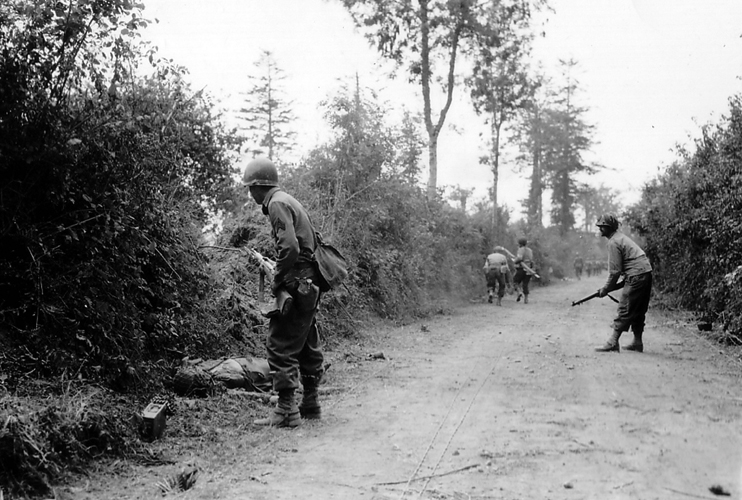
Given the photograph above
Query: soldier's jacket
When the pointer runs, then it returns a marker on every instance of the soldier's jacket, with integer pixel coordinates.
(524, 256)
(625, 256)
(293, 234)
(496, 261)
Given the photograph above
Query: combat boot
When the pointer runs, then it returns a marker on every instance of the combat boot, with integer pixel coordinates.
(612, 344)
(286, 413)
(309, 407)
(489, 299)
(499, 301)
(525, 298)
(636, 345)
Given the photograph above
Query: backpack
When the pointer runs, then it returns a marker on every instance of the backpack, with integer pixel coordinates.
(332, 266)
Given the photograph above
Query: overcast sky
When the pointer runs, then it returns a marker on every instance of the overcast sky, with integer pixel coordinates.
(652, 72)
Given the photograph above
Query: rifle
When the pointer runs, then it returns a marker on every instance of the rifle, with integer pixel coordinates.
(266, 265)
(267, 268)
(597, 294)
(528, 269)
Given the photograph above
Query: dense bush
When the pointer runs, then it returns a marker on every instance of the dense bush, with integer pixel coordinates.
(106, 179)
(690, 216)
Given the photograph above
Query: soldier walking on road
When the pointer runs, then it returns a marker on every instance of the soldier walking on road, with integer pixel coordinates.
(578, 263)
(293, 341)
(626, 258)
(522, 277)
(497, 273)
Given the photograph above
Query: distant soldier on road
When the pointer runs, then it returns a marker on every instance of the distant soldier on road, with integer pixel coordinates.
(497, 273)
(522, 276)
(626, 258)
(578, 263)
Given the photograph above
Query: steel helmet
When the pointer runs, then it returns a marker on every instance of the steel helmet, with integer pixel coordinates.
(260, 172)
(608, 220)
(522, 241)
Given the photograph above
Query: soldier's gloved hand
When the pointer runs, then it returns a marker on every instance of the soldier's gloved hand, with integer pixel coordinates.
(602, 292)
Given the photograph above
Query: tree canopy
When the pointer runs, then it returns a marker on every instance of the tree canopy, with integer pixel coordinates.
(426, 38)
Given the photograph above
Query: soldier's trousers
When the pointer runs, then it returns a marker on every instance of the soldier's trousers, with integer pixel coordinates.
(496, 280)
(294, 343)
(522, 278)
(632, 308)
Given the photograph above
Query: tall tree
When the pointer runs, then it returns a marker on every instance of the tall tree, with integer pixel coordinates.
(426, 37)
(410, 146)
(595, 201)
(499, 86)
(461, 196)
(573, 138)
(268, 116)
(533, 134)
(360, 147)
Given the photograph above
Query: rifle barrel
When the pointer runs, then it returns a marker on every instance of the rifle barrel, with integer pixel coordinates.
(585, 299)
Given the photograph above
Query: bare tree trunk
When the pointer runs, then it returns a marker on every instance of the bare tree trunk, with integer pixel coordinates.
(433, 166)
(434, 130)
(496, 124)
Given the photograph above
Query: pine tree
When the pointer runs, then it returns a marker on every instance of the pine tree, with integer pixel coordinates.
(267, 115)
(573, 138)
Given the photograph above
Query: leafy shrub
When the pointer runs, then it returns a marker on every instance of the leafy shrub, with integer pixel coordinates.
(42, 439)
(690, 217)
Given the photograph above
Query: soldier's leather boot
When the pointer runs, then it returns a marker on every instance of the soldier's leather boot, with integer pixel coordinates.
(489, 299)
(499, 301)
(525, 298)
(612, 344)
(309, 407)
(636, 345)
(286, 413)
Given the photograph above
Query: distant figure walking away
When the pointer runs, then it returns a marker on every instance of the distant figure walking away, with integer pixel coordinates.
(293, 341)
(578, 263)
(627, 259)
(523, 276)
(497, 273)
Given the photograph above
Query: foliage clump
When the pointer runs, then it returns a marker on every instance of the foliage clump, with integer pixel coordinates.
(107, 178)
(42, 439)
(690, 216)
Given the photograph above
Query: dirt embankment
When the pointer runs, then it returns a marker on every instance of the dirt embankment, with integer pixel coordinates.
(489, 402)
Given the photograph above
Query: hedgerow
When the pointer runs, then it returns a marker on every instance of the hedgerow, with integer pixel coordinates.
(690, 216)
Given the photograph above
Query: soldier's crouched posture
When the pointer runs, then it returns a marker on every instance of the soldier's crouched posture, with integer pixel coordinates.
(293, 342)
(625, 257)
(497, 273)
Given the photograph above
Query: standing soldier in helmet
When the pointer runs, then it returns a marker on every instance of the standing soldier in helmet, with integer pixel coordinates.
(522, 277)
(293, 342)
(497, 273)
(626, 258)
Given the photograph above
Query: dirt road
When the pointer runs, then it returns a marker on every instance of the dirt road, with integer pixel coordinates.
(506, 402)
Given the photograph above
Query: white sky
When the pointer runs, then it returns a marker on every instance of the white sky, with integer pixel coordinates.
(652, 72)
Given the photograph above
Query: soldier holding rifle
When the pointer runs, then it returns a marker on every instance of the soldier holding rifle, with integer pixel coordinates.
(523, 269)
(625, 258)
(293, 344)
